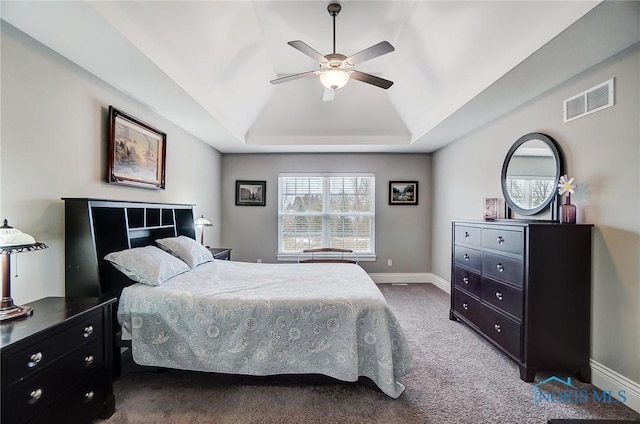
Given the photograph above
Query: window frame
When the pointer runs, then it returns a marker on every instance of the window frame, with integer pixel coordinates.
(528, 189)
(326, 215)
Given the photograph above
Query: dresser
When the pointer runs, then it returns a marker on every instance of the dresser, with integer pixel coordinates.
(525, 286)
(57, 364)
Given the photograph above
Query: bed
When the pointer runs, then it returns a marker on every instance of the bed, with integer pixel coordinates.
(233, 317)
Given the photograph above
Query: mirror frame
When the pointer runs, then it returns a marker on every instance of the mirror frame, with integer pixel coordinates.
(552, 198)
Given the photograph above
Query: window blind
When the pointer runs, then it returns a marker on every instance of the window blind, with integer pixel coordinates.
(326, 210)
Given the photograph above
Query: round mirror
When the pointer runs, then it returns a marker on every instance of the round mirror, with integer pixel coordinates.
(530, 173)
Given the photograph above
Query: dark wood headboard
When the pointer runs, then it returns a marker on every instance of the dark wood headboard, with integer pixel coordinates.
(96, 227)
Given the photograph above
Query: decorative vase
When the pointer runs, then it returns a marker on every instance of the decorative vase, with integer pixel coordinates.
(568, 211)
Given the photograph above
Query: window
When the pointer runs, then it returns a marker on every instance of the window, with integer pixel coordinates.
(529, 192)
(326, 210)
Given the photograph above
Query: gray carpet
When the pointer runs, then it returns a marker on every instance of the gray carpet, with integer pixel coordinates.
(457, 377)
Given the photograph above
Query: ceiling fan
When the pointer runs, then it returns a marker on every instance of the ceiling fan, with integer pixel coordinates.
(335, 68)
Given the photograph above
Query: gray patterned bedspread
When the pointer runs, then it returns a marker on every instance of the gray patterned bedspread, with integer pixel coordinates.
(268, 319)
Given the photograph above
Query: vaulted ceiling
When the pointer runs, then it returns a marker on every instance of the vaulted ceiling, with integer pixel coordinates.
(206, 65)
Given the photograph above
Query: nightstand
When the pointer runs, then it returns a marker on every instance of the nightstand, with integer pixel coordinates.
(57, 364)
(221, 253)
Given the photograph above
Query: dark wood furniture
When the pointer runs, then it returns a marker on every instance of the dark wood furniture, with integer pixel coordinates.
(96, 227)
(57, 364)
(221, 253)
(526, 287)
(328, 255)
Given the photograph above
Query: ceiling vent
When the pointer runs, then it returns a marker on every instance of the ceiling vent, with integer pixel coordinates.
(589, 101)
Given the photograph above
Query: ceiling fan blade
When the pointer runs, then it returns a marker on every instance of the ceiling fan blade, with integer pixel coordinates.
(376, 50)
(371, 79)
(306, 49)
(328, 95)
(293, 77)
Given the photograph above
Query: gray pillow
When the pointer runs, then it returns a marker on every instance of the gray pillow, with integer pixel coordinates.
(187, 249)
(148, 265)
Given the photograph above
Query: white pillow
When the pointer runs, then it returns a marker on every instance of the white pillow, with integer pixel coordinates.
(187, 249)
(148, 265)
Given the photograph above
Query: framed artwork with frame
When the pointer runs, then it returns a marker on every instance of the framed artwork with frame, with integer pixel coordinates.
(251, 193)
(490, 209)
(136, 152)
(403, 192)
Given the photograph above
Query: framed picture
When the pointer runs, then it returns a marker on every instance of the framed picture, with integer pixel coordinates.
(403, 192)
(490, 209)
(251, 193)
(136, 152)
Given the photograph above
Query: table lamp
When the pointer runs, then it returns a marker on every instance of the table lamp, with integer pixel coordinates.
(202, 222)
(13, 241)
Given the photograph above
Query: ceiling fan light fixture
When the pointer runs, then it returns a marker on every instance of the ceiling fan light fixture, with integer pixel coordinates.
(334, 79)
(336, 69)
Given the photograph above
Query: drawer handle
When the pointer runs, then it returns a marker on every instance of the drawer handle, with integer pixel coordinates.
(88, 330)
(466, 257)
(88, 397)
(498, 295)
(500, 240)
(35, 396)
(466, 234)
(465, 306)
(88, 360)
(500, 267)
(497, 328)
(465, 280)
(34, 359)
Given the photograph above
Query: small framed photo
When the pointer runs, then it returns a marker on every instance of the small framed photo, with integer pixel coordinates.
(137, 152)
(490, 209)
(251, 193)
(403, 192)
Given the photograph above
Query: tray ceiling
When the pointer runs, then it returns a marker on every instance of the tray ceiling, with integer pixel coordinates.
(206, 65)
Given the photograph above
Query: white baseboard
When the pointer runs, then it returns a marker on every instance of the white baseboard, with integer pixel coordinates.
(419, 277)
(441, 283)
(607, 379)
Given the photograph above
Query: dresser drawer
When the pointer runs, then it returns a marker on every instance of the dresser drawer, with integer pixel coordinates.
(471, 258)
(467, 280)
(38, 354)
(466, 305)
(502, 296)
(80, 405)
(468, 235)
(511, 241)
(501, 329)
(29, 397)
(502, 268)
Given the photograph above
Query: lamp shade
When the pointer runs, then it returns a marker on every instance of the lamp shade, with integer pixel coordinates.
(334, 78)
(13, 241)
(11, 237)
(203, 222)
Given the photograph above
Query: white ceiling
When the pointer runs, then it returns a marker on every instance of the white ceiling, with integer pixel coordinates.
(206, 65)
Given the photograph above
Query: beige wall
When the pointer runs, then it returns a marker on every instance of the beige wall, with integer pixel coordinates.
(602, 151)
(403, 233)
(54, 124)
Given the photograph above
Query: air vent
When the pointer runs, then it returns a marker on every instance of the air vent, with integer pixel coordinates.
(589, 101)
